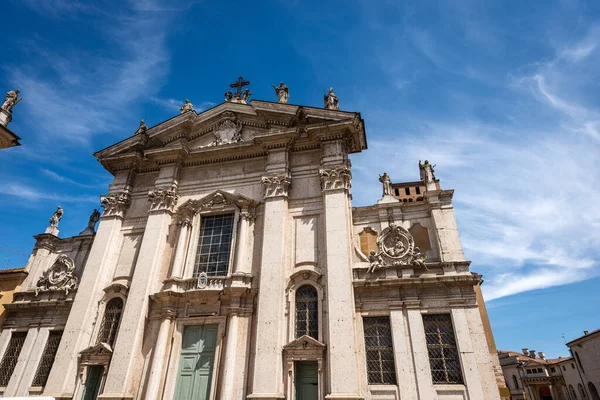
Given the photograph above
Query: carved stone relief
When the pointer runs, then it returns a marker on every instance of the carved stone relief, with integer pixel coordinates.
(396, 247)
(115, 204)
(163, 199)
(339, 177)
(227, 130)
(58, 277)
(277, 185)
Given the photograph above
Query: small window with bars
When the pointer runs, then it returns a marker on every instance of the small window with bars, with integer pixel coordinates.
(214, 245)
(43, 370)
(11, 355)
(110, 322)
(380, 352)
(441, 346)
(307, 312)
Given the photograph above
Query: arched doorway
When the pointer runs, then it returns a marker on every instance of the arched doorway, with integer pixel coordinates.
(593, 391)
(545, 393)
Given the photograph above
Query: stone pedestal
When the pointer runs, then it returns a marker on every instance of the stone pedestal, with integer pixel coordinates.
(5, 117)
(52, 230)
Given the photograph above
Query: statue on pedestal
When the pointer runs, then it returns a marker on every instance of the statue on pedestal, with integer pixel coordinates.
(56, 217)
(331, 100)
(187, 106)
(228, 96)
(387, 184)
(427, 171)
(282, 92)
(10, 100)
(94, 218)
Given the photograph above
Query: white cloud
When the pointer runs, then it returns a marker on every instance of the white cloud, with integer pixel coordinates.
(31, 194)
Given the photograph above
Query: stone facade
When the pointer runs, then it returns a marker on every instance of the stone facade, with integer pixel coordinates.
(147, 294)
(586, 353)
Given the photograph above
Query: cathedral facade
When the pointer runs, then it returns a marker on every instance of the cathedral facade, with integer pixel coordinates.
(229, 263)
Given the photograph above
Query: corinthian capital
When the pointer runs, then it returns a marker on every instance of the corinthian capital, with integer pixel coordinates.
(277, 185)
(338, 177)
(163, 199)
(115, 204)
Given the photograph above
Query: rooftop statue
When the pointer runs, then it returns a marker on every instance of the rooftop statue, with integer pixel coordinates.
(56, 217)
(10, 100)
(282, 92)
(228, 96)
(427, 171)
(142, 128)
(387, 184)
(94, 218)
(331, 100)
(187, 106)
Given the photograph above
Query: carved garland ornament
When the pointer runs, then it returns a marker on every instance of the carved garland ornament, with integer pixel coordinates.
(276, 185)
(58, 277)
(116, 203)
(163, 199)
(396, 247)
(339, 177)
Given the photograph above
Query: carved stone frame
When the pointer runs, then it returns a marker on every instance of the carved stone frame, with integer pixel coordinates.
(298, 279)
(305, 348)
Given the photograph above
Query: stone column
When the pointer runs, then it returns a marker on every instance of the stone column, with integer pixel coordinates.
(270, 326)
(405, 367)
(98, 273)
(159, 358)
(241, 263)
(182, 248)
(233, 381)
(124, 370)
(467, 354)
(33, 361)
(342, 363)
(420, 353)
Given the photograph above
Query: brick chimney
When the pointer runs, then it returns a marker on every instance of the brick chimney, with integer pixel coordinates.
(542, 355)
(585, 332)
(532, 353)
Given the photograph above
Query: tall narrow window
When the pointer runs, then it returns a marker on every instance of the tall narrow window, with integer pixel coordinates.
(579, 362)
(307, 312)
(43, 370)
(11, 355)
(516, 382)
(572, 391)
(380, 352)
(110, 322)
(441, 346)
(407, 190)
(214, 245)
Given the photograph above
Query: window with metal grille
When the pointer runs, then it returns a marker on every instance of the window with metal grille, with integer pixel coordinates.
(214, 245)
(43, 370)
(380, 352)
(11, 355)
(441, 346)
(110, 322)
(307, 312)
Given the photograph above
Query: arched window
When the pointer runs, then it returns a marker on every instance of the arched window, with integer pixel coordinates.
(110, 322)
(307, 312)
(593, 391)
(572, 391)
(581, 392)
(579, 362)
(516, 382)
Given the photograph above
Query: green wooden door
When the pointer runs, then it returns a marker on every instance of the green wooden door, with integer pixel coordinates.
(196, 362)
(92, 383)
(307, 380)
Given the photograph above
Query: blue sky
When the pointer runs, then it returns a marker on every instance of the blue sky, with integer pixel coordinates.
(501, 96)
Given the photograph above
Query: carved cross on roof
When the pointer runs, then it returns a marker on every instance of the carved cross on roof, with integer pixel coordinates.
(238, 85)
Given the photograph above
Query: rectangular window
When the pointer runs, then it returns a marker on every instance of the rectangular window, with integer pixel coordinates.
(380, 352)
(552, 369)
(214, 245)
(441, 346)
(397, 191)
(407, 190)
(11, 355)
(563, 367)
(43, 370)
(418, 190)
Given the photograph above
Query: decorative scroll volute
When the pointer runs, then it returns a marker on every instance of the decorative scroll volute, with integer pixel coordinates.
(60, 276)
(115, 204)
(277, 185)
(339, 177)
(162, 199)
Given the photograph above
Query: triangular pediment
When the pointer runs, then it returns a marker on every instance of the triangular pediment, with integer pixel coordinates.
(231, 129)
(217, 200)
(98, 349)
(304, 342)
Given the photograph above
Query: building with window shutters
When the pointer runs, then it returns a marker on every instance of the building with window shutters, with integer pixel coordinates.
(229, 263)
